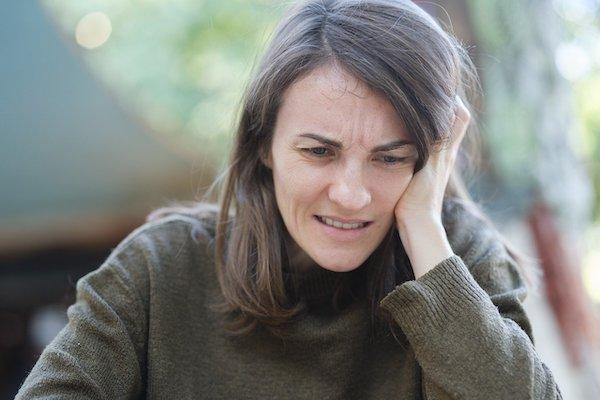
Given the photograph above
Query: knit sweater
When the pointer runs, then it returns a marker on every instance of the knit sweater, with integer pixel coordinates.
(141, 328)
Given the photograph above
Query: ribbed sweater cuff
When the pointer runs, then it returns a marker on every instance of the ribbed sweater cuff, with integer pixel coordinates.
(444, 295)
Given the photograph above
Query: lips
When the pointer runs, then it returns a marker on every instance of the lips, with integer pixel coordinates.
(344, 221)
(342, 235)
(336, 224)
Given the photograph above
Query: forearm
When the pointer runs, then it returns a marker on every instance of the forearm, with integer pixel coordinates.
(426, 244)
(466, 342)
(464, 316)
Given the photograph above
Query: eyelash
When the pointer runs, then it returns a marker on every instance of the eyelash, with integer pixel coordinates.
(309, 150)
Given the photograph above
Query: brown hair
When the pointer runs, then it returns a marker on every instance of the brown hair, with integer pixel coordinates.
(399, 51)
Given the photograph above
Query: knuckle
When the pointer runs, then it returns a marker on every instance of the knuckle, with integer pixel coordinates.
(464, 114)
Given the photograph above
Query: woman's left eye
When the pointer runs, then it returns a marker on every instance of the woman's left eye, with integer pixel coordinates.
(391, 160)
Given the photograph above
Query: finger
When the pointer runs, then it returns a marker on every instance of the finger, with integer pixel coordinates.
(462, 117)
(460, 123)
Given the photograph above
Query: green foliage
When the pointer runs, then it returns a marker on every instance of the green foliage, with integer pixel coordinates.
(180, 66)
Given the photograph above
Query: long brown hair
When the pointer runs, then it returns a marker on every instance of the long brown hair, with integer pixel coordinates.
(400, 52)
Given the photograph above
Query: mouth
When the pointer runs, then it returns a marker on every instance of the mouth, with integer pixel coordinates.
(342, 226)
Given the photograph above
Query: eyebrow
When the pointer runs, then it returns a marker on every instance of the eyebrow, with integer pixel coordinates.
(334, 143)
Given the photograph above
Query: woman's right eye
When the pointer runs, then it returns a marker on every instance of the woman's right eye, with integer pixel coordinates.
(317, 151)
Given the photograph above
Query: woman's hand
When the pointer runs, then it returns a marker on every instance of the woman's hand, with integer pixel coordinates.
(425, 193)
(419, 209)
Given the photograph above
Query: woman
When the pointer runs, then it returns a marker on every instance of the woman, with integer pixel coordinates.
(345, 259)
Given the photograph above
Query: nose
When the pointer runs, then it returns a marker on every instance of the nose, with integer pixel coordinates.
(348, 191)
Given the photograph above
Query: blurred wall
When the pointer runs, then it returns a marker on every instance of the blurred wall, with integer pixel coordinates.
(68, 153)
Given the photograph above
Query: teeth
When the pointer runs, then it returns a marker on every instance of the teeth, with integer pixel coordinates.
(337, 224)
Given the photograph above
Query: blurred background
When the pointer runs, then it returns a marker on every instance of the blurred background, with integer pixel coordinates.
(109, 109)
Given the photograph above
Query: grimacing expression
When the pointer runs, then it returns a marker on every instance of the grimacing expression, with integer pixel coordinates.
(355, 179)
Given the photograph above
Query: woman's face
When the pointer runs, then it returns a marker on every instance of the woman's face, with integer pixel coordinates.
(339, 151)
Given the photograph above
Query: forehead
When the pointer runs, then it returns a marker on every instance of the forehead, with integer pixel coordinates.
(334, 102)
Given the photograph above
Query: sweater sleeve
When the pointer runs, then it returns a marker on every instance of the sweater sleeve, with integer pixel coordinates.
(99, 353)
(471, 344)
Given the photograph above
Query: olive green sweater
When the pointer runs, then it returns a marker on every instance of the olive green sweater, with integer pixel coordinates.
(141, 328)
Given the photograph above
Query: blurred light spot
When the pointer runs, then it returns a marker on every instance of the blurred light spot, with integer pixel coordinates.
(93, 30)
(591, 275)
(576, 10)
(591, 263)
(572, 61)
(214, 70)
(589, 37)
(45, 324)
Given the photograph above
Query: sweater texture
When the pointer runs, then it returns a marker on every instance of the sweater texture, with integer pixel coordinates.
(141, 328)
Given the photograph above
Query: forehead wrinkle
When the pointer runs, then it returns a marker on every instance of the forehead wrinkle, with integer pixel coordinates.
(363, 139)
(367, 128)
(356, 122)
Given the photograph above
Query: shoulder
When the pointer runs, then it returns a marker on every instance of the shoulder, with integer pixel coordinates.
(156, 261)
(166, 251)
(164, 237)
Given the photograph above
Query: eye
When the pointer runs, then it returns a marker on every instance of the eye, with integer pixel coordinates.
(391, 160)
(316, 151)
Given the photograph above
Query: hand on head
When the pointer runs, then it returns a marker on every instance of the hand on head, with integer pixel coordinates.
(425, 193)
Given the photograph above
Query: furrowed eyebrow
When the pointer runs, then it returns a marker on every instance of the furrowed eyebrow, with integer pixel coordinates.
(334, 143)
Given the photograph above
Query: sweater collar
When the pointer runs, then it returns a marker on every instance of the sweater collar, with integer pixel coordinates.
(319, 286)
(322, 288)
(315, 285)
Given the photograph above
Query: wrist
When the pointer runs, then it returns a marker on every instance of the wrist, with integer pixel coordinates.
(415, 220)
(425, 242)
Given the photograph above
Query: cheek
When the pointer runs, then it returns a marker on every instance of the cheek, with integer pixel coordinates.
(297, 186)
(394, 187)
(403, 182)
